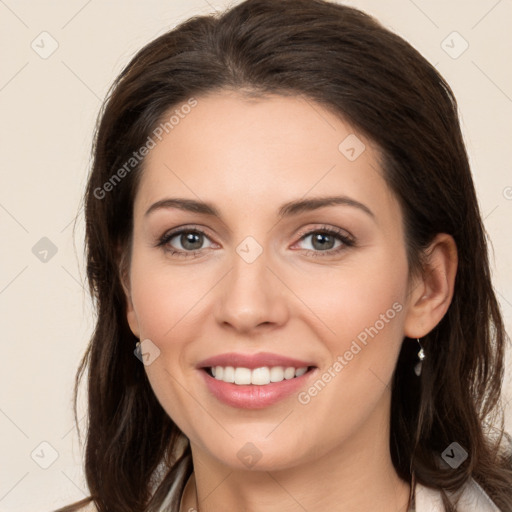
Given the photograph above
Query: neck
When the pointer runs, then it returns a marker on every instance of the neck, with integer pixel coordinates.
(356, 475)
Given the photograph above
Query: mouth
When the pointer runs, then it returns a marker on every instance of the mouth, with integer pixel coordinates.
(255, 381)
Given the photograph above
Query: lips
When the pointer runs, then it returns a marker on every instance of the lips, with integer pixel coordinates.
(262, 392)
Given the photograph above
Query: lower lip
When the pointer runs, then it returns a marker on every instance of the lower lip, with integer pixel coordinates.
(253, 396)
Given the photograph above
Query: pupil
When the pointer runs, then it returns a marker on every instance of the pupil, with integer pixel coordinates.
(324, 241)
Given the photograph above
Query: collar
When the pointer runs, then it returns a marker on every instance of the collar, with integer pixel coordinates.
(472, 498)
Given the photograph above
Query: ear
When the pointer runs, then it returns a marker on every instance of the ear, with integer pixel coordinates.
(431, 292)
(124, 277)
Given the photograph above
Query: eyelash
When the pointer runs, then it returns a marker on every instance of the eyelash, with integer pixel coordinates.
(347, 241)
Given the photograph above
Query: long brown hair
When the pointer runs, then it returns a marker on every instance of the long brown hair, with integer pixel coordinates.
(346, 61)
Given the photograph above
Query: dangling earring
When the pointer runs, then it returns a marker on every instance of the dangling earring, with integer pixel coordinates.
(421, 356)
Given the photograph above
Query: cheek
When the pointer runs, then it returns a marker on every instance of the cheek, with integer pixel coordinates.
(365, 295)
(362, 311)
(363, 307)
(166, 305)
(166, 298)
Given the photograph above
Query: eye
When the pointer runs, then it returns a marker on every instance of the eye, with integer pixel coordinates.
(184, 242)
(326, 240)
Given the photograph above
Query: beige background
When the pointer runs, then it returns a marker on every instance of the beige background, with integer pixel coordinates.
(49, 106)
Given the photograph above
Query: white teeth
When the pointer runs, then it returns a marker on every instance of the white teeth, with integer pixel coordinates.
(276, 374)
(300, 371)
(289, 373)
(258, 376)
(242, 375)
(229, 374)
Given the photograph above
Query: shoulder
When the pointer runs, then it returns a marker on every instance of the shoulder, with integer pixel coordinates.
(472, 499)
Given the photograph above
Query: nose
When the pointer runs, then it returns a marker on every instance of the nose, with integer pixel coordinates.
(251, 297)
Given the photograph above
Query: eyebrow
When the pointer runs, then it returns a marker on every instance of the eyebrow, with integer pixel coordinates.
(287, 210)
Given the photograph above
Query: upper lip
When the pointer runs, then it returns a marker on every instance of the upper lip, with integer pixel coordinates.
(252, 361)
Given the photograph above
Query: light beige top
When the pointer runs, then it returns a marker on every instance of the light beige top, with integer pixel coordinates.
(473, 499)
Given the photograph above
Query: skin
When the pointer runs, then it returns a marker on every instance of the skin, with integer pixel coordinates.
(248, 158)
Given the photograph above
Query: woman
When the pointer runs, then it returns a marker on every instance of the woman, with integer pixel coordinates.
(295, 309)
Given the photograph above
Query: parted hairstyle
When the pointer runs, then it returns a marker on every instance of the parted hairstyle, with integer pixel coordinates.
(350, 64)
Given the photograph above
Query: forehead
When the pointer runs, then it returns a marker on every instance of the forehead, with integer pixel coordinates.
(254, 153)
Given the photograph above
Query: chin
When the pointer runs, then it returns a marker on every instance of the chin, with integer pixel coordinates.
(257, 452)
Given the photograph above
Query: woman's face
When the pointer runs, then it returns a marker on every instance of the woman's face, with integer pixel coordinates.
(265, 236)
